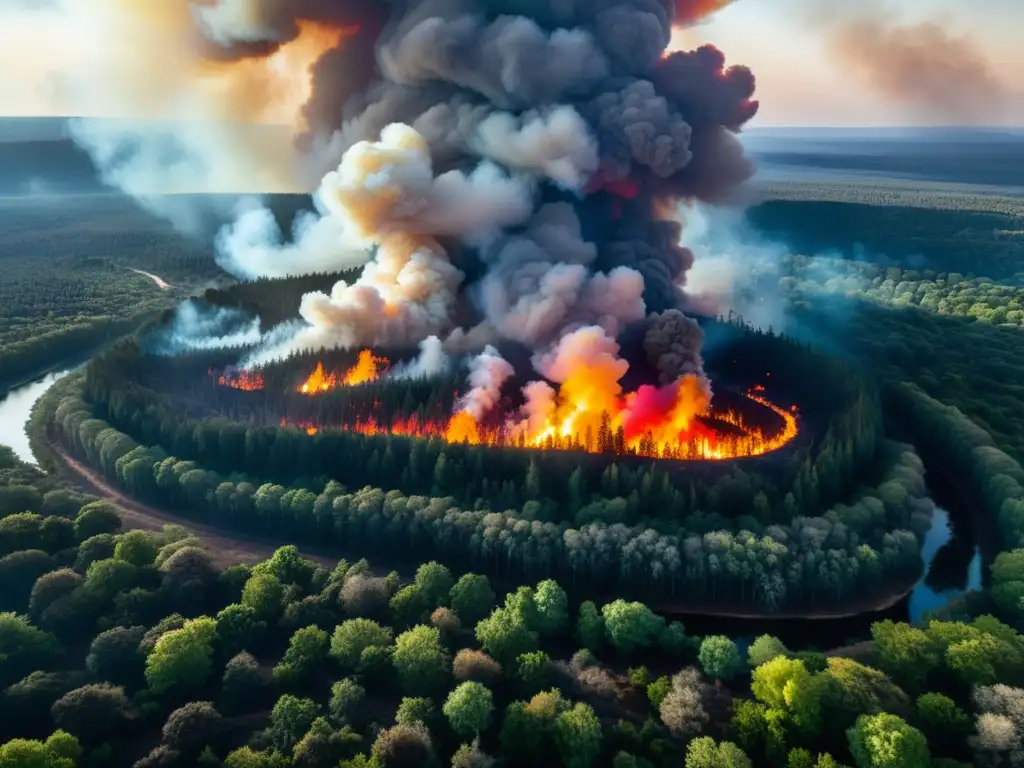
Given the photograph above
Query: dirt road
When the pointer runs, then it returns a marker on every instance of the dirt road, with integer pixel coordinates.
(162, 284)
(228, 548)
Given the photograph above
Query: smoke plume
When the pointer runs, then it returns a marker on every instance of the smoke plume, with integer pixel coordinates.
(196, 327)
(253, 246)
(488, 371)
(541, 283)
(182, 98)
(431, 361)
(673, 343)
(937, 74)
(503, 171)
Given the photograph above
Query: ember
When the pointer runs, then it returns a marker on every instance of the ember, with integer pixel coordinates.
(247, 381)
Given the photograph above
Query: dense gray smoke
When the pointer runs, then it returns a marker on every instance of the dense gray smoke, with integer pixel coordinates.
(499, 170)
(673, 343)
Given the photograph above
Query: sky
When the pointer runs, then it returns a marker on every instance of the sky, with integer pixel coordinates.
(818, 62)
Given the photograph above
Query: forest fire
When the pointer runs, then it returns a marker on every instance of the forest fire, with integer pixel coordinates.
(367, 368)
(247, 381)
(715, 435)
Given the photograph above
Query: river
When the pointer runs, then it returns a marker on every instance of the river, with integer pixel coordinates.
(15, 408)
(952, 562)
(952, 567)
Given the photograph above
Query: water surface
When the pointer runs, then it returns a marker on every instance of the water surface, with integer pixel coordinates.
(15, 409)
(945, 578)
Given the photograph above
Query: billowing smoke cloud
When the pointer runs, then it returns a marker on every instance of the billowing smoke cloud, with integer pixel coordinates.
(253, 246)
(488, 371)
(477, 117)
(736, 269)
(511, 61)
(385, 196)
(408, 291)
(672, 343)
(541, 284)
(555, 143)
(389, 186)
(505, 170)
(935, 73)
(639, 127)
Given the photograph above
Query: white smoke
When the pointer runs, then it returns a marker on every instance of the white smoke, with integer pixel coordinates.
(555, 143)
(389, 186)
(176, 129)
(734, 270)
(253, 246)
(488, 371)
(196, 327)
(406, 292)
(385, 195)
(431, 361)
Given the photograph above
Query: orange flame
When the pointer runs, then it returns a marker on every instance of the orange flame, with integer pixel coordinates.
(463, 429)
(697, 442)
(367, 368)
(318, 381)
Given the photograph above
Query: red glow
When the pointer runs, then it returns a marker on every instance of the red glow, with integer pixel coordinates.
(627, 189)
(247, 381)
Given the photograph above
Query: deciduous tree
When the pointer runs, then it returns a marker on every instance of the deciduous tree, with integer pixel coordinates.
(468, 708)
(182, 659)
(887, 741)
(420, 660)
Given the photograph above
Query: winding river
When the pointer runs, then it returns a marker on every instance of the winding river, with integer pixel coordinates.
(952, 561)
(15, 408)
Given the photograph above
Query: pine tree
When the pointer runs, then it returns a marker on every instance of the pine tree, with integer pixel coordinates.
(605, 441)
(531, 487)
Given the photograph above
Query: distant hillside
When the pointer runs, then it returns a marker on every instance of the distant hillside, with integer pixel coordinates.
(36, 156)
(981, 157)
(46, 167)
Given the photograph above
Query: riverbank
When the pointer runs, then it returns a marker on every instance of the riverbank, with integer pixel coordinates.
(66, 364)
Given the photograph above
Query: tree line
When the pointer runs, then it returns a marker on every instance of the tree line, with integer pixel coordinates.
(287, 663)
(859, 547)
(841, 416)
(993, 478)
